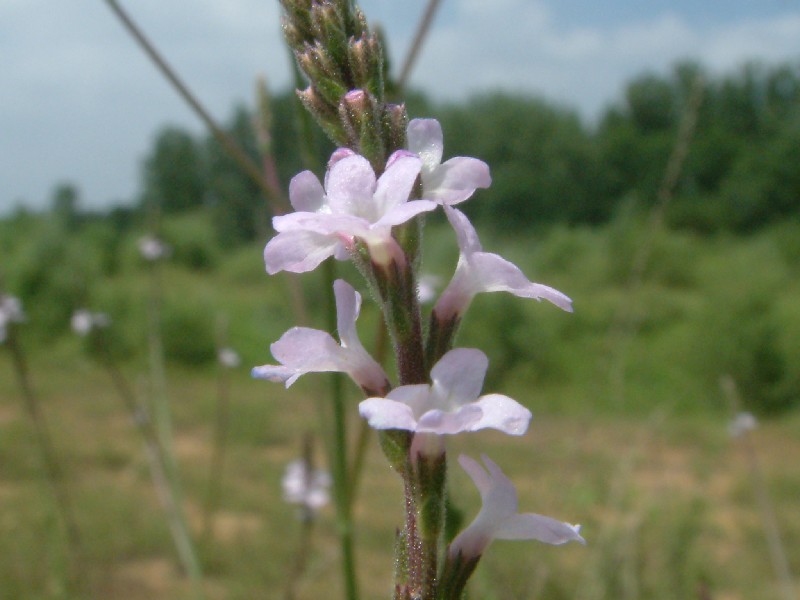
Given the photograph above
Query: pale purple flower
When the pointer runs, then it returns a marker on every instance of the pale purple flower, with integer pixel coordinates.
(304, 486)
(450, 182)
(152, 249)
(742, 423)
(10, 312)
(353, 204)
(303, 350)
(451, 404)
(478, 271)
(228, 358)
(83, 321)
(498, 518)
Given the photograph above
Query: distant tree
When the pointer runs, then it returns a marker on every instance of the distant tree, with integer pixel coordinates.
(240, 209)
(543, 161)
(174, 172)
(65, 205)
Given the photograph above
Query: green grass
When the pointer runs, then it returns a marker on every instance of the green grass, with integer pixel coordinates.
(629, 433)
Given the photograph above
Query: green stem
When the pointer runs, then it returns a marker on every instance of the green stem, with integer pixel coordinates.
(163, 429)
(217, 465)
(419, 38)
(53, 470)
(140, 417)
(338, 460)
(441, 333)
(396, 287)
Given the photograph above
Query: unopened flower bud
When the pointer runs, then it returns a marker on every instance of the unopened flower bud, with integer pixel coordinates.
(338, 155)
(395, 124)
(359, 113)
(329, 30)
(366, 64)
(323, 72)
(325, 114)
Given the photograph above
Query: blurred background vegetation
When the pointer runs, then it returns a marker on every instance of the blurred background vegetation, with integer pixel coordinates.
(632, 440)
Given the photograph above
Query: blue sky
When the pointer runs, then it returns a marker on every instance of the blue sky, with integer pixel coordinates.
(79, 102)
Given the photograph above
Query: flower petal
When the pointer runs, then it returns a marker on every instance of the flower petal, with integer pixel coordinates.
(492, 273)
(348, 305)
(405, 212)
(395, 185)
(297, 251)
(301, 347)
(458, 377)
(468, 241)
(476, 472)
(502, 413)
(323, 224)
(275, 373)
(456, 180)
(500, 498)
(350, 186)
(448, 423)
(305, 192)
(417, 397)
(426, 140)
(530, 526)
(382, 413)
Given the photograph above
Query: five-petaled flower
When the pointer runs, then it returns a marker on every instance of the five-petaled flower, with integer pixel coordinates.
(451, 404)
(353, 205)
(450, 182)
(478, 271)
(303, 350)
(498, 518)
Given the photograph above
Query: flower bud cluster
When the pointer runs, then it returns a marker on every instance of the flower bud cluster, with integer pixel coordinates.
(343, 62)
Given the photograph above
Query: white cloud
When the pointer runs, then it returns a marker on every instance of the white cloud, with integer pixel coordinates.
(530, 51)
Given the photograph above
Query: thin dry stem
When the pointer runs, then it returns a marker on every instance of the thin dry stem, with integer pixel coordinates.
(624, 326)
(248, 166)
(419, 38)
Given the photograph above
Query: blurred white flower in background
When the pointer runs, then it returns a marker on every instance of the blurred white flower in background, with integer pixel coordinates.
(152, 249)
(741, 424)
(229, 358)
(83, 321)
(305, 486)
(10, 312)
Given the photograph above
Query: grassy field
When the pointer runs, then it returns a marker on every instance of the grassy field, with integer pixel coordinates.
(629, 435)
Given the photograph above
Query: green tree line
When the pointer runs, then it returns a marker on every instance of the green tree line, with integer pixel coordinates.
(548, 165)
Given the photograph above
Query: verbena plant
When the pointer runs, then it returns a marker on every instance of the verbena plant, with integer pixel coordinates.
(386, 174)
